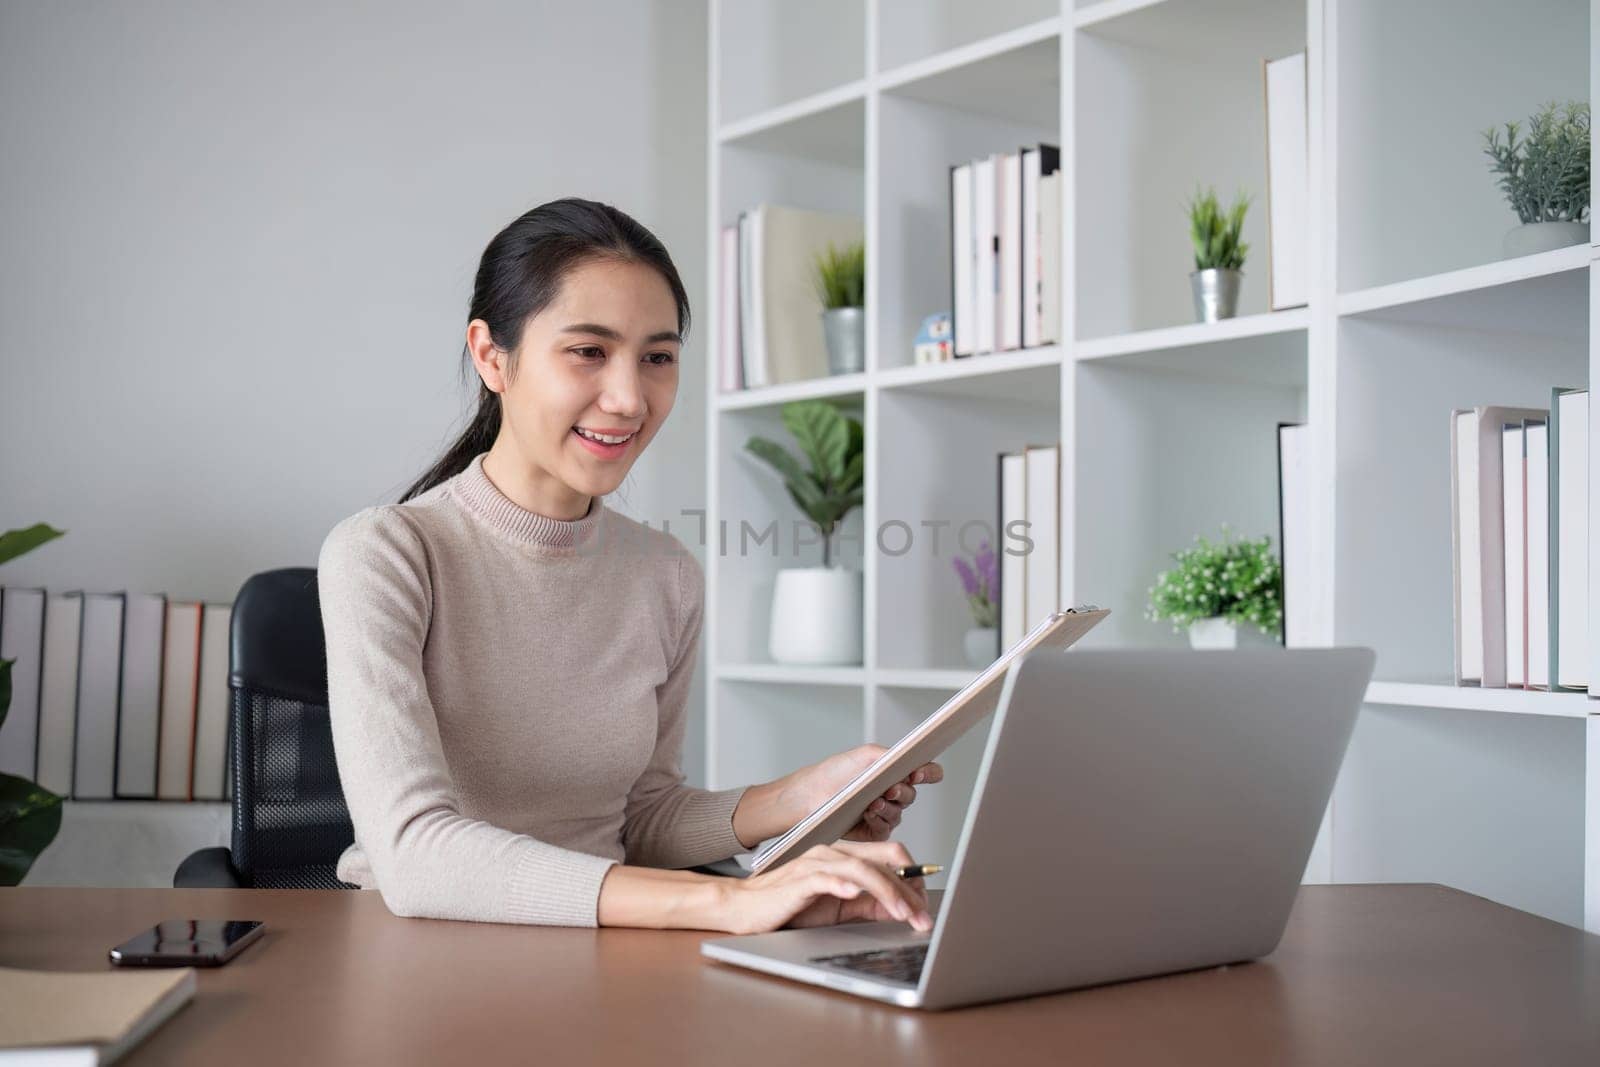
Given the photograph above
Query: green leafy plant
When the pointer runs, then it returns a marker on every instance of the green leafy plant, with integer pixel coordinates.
(30, 817)
(840, 275)
(833, 443)
(1545, 176)
(1241, 580)
(1215, 234)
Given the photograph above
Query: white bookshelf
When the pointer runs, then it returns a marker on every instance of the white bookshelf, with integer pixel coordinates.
(1167, 426)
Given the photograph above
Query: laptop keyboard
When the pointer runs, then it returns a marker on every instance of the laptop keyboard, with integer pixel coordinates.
(902, 964)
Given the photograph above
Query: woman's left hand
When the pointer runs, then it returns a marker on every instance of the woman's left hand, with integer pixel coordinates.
(810, 786)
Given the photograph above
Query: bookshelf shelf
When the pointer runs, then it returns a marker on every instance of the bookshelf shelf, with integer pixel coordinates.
(816, 388)
(1168, 428)
(1466, 698)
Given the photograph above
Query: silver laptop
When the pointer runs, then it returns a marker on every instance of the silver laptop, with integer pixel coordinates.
(1136, 813)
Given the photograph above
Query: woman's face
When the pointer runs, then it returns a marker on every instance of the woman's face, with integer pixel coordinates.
(602, 358)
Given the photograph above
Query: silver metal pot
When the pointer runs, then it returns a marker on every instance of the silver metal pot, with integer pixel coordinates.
(1216, 293)
(845, 330)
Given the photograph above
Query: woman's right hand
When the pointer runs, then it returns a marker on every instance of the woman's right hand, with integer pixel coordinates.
(843, 882)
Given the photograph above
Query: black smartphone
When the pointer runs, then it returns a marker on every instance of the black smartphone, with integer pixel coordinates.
(187, 943)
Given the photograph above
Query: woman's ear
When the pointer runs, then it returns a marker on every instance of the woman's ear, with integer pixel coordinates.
(490, 360)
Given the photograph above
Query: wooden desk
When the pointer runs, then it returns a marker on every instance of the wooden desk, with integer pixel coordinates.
(1365, 975)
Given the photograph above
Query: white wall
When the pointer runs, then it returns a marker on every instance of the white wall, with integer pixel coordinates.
(239, 242)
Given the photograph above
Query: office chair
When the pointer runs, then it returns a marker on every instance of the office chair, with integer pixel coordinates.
(290, 822)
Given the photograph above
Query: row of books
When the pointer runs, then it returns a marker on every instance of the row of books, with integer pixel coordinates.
(1030, 576)
(770, 315)
(1520, 518)
(1005, 251)
(117, 696)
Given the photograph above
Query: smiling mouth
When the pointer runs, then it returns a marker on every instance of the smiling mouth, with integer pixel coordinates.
(610, 440)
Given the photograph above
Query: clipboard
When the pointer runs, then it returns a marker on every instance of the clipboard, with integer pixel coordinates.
(925, 742)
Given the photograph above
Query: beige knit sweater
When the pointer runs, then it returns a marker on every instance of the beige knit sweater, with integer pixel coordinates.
(507, 695)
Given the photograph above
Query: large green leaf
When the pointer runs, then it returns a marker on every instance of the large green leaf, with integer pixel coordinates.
(5, 689)
(824, 437)
(778, 456)
(30, 818)
(14, 543)
(853, 473)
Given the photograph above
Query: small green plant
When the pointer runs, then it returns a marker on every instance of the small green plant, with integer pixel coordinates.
(833, 443)
(1545, 176)
(840, 275)
(30, 817)
(1216, 235)
(1241, 580)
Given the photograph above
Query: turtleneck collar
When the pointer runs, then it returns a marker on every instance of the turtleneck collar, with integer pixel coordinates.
(473, 487)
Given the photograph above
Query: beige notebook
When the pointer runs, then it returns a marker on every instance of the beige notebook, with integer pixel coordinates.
(101, 1014)
(925, 742)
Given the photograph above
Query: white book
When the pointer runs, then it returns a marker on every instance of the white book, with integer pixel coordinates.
(752, 352)
(730, 373)
(139, 725)
(179, 678)
(963, 291)
(983, 225)
(788, 241)
(99, 691)
(1013, 548)
(1570, 545)
(22, 641)
(1008, 331)
(1468, 553)
(1288, 181)
(1050, 255)
(1514, 518)
(211, 717)
(1536, 491)
(58, 691)
(1044, 525)
(1294, 533)
(1491, 533)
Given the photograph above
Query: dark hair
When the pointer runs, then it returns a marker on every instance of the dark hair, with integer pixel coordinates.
(520, 274)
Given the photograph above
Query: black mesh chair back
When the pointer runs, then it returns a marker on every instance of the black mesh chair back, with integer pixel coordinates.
(290, 823)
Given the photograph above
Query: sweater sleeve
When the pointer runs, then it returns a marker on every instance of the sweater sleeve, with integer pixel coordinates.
(429, 861)
(667, 823)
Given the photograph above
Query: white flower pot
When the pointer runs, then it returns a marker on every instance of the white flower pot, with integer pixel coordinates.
(1532, 237)
(816, 617)
(1215, 632)
(982, 645)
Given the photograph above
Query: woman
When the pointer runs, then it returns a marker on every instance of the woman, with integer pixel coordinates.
(509, 659)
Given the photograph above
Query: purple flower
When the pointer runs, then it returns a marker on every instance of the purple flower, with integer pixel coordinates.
(988, 569)
(969, 580)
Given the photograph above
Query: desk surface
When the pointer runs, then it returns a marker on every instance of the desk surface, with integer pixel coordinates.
(1365, 974)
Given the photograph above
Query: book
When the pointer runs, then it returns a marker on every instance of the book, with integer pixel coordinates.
(180, 678)
(729, 358)
(58, 692)
(211, 714)
(1294, 532)
(787, 307)
(963, 262)
(1288, 182)
(1570, 548)
(752, 352)
(1050, 253)
(984, 217)
(99, 694)
(87, 1017)
(1008, 251)
(1043, 506)
(139, 724)
(1039, 162)
(1514, 520)
(1013, 526)
(1479, 553)
(21, 641)
(1536, 553)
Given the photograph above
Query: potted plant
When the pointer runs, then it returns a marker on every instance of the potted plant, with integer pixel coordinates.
(30, 816)
(1545, 176)
(1218, 586)
(1218, 255)
(980, 581)
(816, 611)
(840, 276)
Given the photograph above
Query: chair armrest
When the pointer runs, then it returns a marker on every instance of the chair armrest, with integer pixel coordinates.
(208, 868)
